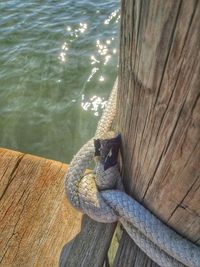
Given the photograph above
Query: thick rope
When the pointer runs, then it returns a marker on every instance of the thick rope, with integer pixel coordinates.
(100, 196)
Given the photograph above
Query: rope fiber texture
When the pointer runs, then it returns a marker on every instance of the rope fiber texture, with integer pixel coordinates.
(101, 196)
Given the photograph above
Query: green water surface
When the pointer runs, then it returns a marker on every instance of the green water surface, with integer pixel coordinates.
(58, 62)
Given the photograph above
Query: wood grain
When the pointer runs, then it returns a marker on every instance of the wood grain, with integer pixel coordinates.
(159, 109)
(90, 247)
(130, 255)
(36, 220)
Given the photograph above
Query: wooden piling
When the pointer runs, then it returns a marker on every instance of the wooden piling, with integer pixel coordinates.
(159, 112)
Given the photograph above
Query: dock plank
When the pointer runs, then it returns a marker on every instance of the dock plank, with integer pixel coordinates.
(36, 220)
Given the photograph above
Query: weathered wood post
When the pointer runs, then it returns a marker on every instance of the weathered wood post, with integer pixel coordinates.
(159, 112)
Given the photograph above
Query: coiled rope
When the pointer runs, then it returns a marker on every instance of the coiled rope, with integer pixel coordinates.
(100, 195)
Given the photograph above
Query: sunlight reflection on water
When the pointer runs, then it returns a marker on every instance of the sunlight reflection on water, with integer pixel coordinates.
(58, 63)
(95, 104)
(103, 54)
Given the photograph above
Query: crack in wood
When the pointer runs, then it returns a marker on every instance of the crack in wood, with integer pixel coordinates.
(12, 176)
(170, 42)
(180, 204)
(14, 229)
(195, 9)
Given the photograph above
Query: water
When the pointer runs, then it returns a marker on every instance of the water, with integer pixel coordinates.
(58, 62)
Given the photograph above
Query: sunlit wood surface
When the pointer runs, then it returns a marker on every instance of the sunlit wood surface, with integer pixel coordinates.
(36, 220)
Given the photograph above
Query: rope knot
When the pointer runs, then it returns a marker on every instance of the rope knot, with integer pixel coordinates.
(104, 177)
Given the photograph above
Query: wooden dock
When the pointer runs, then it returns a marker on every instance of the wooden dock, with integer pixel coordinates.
(36, 220)
(38, 226)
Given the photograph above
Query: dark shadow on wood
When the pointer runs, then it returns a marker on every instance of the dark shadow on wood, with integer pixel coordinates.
(129, 255)
(89, 247)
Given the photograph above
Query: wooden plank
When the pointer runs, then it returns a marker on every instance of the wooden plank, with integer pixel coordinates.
(159, 109)
(36, 220)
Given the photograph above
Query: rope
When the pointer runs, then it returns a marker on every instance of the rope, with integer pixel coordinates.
(100, 195)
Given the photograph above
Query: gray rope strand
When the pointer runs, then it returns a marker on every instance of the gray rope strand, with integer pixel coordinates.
(156, 231)
(109, 112)
(75, 172)
(151, 250)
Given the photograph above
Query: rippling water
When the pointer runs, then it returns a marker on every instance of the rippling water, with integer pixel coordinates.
(58, 62)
